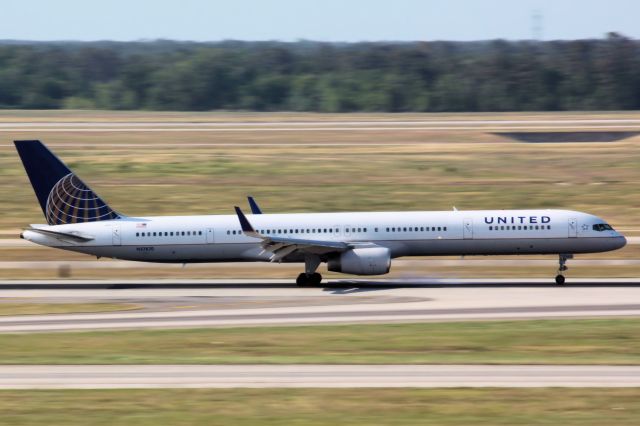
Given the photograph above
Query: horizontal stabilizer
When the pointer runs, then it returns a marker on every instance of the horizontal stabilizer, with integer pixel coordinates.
(65, 236)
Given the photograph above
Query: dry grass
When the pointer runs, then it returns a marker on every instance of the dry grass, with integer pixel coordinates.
(603, 341)
(313, 407)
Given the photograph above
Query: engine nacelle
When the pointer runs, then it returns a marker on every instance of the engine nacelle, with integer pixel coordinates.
(362, 261)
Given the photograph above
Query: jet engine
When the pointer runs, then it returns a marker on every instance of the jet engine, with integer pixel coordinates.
(362, 261)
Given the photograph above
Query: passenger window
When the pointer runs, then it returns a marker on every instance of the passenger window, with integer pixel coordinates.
(439, 229)
(502, 228)
(548, 226)
(137, 234)
(490, 228)
(433, 228)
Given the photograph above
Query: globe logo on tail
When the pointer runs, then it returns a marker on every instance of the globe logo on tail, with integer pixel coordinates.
(71, 201)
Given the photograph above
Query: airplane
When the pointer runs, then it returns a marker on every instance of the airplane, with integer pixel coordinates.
(357, 243)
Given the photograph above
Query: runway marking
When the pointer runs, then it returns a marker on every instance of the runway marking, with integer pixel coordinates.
(318, 123)
(231, 145)
(317, 376)
(310, 129)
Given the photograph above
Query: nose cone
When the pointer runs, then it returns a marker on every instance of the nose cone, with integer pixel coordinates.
(620, 241)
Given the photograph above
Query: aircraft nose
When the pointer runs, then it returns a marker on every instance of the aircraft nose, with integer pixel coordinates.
(622, 241)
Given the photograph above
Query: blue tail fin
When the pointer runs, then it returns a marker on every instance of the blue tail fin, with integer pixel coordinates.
(64, 198)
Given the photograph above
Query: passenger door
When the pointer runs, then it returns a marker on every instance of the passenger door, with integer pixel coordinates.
(467, 229)
(210, 236)
(336, 232)
(116, 238)
(573, 227)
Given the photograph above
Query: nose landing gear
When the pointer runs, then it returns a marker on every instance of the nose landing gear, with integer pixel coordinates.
(562, 259)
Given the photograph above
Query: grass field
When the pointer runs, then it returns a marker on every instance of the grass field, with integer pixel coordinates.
(554, 406)
(410, 169)
(608, 341)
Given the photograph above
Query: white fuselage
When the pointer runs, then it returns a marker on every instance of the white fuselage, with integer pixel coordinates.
(218, 238)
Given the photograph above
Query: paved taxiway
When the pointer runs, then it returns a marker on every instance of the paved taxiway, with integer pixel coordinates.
(327, 376)
(229, 303)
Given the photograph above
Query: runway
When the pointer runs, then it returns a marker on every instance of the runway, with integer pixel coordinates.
(317, 376)
(237, 303)
(318, 126)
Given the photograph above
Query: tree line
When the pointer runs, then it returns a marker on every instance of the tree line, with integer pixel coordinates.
(599, 74)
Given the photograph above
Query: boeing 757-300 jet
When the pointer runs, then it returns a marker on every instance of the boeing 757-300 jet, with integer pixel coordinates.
(358, 243)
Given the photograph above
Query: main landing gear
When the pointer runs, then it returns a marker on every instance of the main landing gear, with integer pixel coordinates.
(308, 279)
(562, 258)
(310, 276)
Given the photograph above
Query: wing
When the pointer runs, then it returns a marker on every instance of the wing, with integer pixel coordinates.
(255, 209)
(281, 247)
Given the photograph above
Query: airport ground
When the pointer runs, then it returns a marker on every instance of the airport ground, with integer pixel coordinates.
(176, 163)
(169, 163)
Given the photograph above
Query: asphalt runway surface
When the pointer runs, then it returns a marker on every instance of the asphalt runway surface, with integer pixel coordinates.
(234, 303)
(324, 376)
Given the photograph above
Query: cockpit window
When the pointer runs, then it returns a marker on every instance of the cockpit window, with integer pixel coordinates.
(602, 227)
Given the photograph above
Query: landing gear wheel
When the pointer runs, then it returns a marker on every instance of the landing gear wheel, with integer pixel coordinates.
(559, 279)
(302, 280)
(315, 278)
(311, 279)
